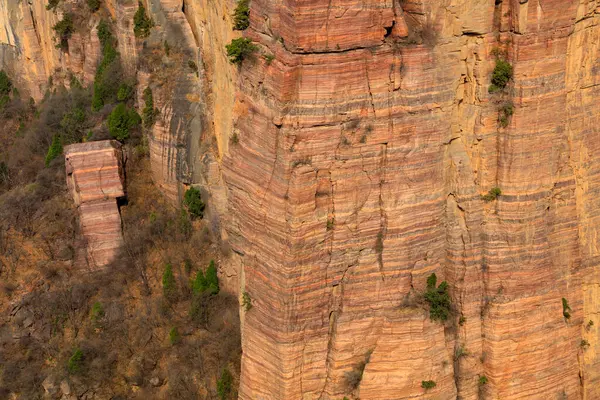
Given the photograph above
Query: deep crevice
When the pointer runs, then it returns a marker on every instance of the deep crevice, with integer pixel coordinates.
(388, 29)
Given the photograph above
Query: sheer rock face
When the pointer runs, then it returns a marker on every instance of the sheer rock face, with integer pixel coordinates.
(95, 179)
(28, 42)
(28, 45)
(364, 149)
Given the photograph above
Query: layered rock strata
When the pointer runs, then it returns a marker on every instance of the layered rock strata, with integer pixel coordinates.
(95, 178)
(364, 150)
(360, 158)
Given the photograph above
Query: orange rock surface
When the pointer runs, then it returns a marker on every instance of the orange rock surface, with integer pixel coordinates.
(362, 154)
(364, 150)
(95, 180)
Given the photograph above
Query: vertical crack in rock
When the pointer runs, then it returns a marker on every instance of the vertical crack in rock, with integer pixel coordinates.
(382, 214)
(369, 87)
(34, 23)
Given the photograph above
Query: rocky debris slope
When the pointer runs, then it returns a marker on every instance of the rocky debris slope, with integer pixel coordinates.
(95, 179)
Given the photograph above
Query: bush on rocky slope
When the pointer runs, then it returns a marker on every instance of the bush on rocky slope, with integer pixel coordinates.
(502, 73)
(241, 15)
(141, 22)
(438, 299)
(64, 29)
(62, 303)
(239, 49)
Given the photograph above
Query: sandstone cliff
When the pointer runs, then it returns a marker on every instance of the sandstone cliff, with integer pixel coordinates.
(363, 152)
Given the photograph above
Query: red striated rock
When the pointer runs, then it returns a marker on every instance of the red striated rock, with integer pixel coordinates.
(95, 180)
(359, 171)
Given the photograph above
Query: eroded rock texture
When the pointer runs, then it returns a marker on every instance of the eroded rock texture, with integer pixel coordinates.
(95, 179)
(364, 149)
(362, 153)
(28, 45)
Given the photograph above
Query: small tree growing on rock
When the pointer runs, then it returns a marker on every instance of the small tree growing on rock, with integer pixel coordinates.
(169, 284)
(64, 29)
(239, 49)
(566, 309)
(241, 15)
(141, 22)
(121, 121)
(438, 299)
(246, 301)
(503, 72)
(192, 199)
(428, 384)
(492, 194)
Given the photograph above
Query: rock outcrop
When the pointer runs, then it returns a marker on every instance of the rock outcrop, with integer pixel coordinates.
(362, 156)
(364, 150)
(95, 178)
(28, 47)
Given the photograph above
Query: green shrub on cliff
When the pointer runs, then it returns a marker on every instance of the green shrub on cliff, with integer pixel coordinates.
(122, 121)
(75, 363)
(199, 284)
(64, 29)
(505, 112)
(169, 284)
(239, 49)
(55, 149)
(354, 377)
(492, 194)
(428, 384)
(104, 34)
(97, 312)
(246, 301)
(192, 199)
(141, 22)
(224, 385)
(109, 72)
(5, 89)
(5, 84)
(73, 125)
(208, 283)
(566, 308)
(148, 112)
(502, 74)
(174, 337)
(438, 299)
(125, 92)
(241, 15)
(94, 5)
(212, 280)
(52, 4)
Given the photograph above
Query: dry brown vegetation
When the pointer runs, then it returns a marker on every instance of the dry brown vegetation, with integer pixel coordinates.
(46, 303)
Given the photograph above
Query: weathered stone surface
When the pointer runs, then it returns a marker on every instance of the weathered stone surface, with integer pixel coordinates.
(359, 172)
(364, 149)
(28, 46)
(95, 179)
